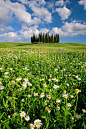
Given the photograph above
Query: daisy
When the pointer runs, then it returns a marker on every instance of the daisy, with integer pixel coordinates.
(37, 123)
(54, 79)
(35, 94)
(1, 87)
(49, 80)
(64, 91)
(23, 100)
(71, 96)
(79, 79)
(27, 118)
(50, 75)
(44, 85)
(25, 79)
(77, 116)
(31, 126)
(42, 95)
(18, 79)
(58, 101)
(72, 117)
(55, 86)
(49, 110)
(46, 108)
(11, 69)
(84, 111)
(22, 114)
(6, 73)
(77, 91)
(48, 96)
(68, 105)
(24, 86)
(0, 68)
(65, 96)
(29, 84)
(6, 76)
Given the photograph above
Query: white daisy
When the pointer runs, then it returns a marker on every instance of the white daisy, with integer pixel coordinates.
(84, 111)
(37, 123)
(6, 73)
(48, 96)
(22, 114)
(31, 126)
(42, 95)
(18, 79)
(65, 95)
(58, 100)
(49, 110)
(55, 86)
(1, 87)
(44, 85)
(27, 118)
(29, 84)
(35, 94)
(68, 105)
(25, 79)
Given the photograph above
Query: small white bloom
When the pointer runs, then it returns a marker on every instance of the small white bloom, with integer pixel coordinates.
(48, 96)
(42, 95)
(58, 101)
(31, 126)
(37, 123)
(22, 114)
(55, 86)
(35, 94)
(1, 87)
(27, 118)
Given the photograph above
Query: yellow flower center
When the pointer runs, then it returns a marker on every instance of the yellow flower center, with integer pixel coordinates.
(46, 108)
(32, 126)
(55, 86)
(57, 99)
(84, 110)
(71, 116)
(35, 93)
(77, 115)
(65, 96)
(37, 123)
(1, 87)
(22, 114)
(27, 117)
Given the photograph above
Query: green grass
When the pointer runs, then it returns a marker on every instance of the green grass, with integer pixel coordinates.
(65, 67)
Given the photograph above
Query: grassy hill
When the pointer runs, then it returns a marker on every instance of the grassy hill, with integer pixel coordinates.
(68, 47)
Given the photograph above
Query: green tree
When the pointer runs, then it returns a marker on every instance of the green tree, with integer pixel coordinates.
(54, 38)
(57, 38)
(39, 38)
(43, 37)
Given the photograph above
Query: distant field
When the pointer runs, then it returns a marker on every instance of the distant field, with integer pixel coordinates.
(68, 47)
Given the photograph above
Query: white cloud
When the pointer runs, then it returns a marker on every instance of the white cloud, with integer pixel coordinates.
(60, 3)
(10, 37)
(5, 28)
(40, 12)
(64, 12)
(7, 9)
(83, 2)
(70, 29)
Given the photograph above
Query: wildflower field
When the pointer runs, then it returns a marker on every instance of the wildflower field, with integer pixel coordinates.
(42, 88)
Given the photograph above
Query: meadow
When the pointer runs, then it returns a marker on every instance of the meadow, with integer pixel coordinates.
(42, 86)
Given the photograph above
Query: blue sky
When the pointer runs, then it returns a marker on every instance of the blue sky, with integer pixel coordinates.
(19, 19)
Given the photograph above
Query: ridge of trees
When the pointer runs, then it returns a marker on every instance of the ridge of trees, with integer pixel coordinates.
(45, 38)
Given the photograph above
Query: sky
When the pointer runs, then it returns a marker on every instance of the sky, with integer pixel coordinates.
(19, 19)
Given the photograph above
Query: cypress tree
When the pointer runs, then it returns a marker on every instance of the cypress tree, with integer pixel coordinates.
(43, 37)
(48, 37)
(39, 38)
(57, 38)
(54, 38)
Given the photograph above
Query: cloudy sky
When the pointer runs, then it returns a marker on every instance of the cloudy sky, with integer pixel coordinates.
(19, 19)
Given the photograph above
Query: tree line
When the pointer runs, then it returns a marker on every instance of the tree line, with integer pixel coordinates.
(45, 38)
